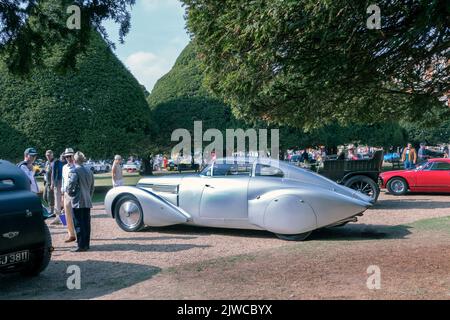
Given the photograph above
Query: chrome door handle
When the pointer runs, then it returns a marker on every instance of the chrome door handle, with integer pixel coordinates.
(209, 186)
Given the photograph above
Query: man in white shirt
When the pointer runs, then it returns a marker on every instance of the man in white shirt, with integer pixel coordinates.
(27, 167)
(117, 176)
(68, 154)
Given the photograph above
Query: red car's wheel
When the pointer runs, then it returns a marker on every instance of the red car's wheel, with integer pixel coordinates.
(397, 186)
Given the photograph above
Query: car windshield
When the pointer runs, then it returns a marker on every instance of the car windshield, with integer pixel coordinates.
(424, 166)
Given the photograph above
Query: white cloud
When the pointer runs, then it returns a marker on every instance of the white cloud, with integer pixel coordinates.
(147, 67)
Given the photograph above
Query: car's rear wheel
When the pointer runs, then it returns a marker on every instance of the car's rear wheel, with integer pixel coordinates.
(397, 186)
(364, 185)
(40, 260)
(294, 237)
(128, 214)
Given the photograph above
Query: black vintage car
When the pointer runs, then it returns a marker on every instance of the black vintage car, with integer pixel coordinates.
(25, 240)
(361, 175)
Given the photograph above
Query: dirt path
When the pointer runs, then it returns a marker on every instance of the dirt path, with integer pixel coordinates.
(202, 263)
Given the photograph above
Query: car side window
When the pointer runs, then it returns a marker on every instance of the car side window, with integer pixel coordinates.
(206, 172)
(426, 167)
(440, 166)
(264, 170)
(231, 169)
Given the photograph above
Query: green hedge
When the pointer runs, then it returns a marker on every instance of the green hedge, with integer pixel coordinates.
(100, 108)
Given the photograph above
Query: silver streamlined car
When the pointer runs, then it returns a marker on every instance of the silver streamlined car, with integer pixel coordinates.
(241, 193)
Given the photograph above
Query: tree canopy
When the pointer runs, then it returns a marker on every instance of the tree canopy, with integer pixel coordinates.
(180, 98)
(99, 109)
(310, 63)
(30, 28)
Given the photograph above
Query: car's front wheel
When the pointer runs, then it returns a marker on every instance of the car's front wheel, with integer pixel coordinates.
(294, 237)
(128, 214)
(397, 186)
(41, 259)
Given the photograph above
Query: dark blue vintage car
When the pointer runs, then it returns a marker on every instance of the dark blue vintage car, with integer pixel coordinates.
(25, 240)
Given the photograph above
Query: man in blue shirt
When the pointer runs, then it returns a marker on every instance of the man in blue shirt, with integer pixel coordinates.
(55, 186)
(422, 153)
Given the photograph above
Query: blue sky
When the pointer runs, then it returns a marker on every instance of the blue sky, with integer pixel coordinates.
(157, 37)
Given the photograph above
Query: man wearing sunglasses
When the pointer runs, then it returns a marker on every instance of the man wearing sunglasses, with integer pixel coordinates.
(68, 155)
(26, 166)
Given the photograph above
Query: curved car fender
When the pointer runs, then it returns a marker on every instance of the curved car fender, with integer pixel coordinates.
(282, 211)
(158, 212)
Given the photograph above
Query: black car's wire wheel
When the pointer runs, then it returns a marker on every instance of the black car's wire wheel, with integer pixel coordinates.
(128, 214)
(397, 186)
(364, 185)
(294, 237)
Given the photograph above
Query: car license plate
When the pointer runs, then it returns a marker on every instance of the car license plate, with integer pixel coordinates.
(14, 258)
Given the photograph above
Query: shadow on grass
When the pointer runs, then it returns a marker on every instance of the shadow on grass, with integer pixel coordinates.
(403, 203)
(101, 216)
(145, 247)
(98, 278)
(208, 231)
(361, 232)
(147, 238)
(348, 232)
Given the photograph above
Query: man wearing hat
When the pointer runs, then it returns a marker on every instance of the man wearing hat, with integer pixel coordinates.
(68, 155)
(27, 167)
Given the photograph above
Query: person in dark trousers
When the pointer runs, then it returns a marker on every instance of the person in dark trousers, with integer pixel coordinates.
(49, 195)
(56, 185)
(81, 190)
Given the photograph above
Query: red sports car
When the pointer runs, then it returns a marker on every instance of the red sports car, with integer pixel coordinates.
(432, 176)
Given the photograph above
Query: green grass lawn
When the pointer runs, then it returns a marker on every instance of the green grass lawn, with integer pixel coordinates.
(435, 224)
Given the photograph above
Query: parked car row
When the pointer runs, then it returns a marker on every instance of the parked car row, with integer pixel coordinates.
(99, 166)
(132, 166)
(432, 176)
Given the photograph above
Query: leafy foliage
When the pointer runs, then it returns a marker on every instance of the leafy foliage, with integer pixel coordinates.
(29, 28)
(310, 63)
(418, 133)
(180, 98)
(99, 109)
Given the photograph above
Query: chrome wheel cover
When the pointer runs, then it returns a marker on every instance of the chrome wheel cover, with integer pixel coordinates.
(130, 214)
(397, 186)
